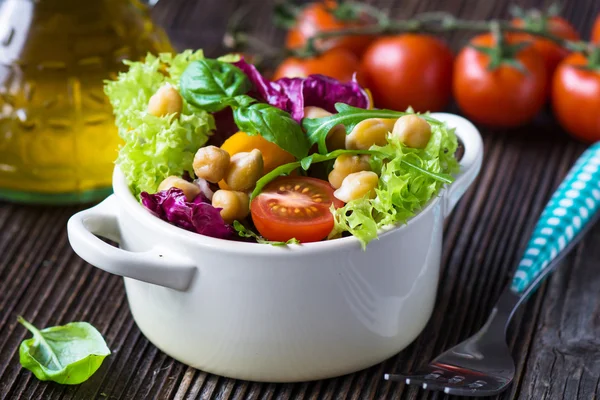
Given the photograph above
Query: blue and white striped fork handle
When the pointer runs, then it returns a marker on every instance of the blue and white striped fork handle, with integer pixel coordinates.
(570, 209)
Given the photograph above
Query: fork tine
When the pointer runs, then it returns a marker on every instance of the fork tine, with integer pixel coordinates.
(419, 378)
(408, 379)
(429, 385)
(449, 382)
(470, 384)
(394, 377)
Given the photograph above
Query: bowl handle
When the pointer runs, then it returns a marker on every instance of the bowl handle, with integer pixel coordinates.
(157, 266)
(470, 164)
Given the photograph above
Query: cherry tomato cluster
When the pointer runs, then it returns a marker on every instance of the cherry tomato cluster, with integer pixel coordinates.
(498, 84)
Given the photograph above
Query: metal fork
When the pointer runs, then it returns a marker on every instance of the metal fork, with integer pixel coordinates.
(482, 365)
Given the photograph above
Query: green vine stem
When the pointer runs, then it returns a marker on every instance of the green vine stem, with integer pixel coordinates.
(443, 23)
(437, 22)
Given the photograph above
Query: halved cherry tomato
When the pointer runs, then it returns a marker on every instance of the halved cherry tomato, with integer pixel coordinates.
(576, 97)
(317, 17)
(340, 64)
(504, 96)
(408, 70)
(596, 30)
(551, 52)
(294, 207)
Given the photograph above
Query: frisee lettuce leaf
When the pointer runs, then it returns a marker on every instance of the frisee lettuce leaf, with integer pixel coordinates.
(401, 192)
(244, 232)
(155, 147)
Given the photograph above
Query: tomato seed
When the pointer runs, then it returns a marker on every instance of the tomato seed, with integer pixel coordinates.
(297, 187)
(305, 190)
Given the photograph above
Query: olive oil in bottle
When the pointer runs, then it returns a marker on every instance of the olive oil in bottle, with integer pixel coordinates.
(58, 141)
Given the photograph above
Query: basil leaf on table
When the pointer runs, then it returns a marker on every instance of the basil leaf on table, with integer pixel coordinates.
(212, 84)
(318, 128)
(67, 354)
(273, 124)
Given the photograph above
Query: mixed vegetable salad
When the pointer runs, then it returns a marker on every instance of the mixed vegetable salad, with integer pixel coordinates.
(214, 147)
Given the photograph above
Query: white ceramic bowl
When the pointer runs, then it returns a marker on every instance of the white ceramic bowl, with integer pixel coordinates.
(267, 313)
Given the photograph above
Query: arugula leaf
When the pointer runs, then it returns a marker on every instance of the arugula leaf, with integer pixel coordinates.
(273, 124)
(318, 128)
(306, 162)
(212, 84)
(247, 233)
(67, 354)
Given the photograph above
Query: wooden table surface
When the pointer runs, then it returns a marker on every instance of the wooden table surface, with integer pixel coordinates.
(555, 338)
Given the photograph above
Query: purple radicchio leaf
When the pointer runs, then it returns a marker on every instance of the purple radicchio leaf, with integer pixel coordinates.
(196, 216)
(264, 89)
(293, 94)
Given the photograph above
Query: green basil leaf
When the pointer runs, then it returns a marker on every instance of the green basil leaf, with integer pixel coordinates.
(211, 84)
(318, 128)
(244, 101)
(273, 124)
(67, 354)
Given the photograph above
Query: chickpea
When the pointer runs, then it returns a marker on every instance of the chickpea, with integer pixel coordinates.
(345, 165)
(389, 123)
(357, 185)
(315, 112)
(166, 100)
(413, 131)
(211, 163)
(336, 138)
(244, 170)
(369, 132)
(234, 205)
(189, 189)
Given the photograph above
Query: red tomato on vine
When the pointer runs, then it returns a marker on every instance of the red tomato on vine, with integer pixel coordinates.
(576, 97)
(596, 30)
(317, 17)
(551, 52)
(499, 85)
(336, 63)
(408, 70)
